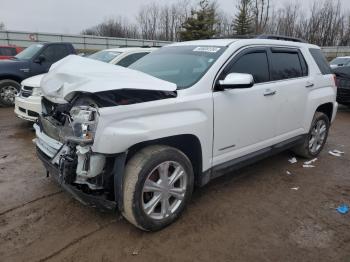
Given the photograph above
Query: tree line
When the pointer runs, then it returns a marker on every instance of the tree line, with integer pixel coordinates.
(325, 24)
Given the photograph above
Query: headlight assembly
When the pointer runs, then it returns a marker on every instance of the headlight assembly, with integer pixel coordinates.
(83, 122)
(36, 91)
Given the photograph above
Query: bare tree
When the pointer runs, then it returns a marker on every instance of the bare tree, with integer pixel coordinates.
(118, 27)
(285, 20)
(325, 24)
(163, 22)
(223, 25)
(148, 20)
(261, 12)
(2, 26)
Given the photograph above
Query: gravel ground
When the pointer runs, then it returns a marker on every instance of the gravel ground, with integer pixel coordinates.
(250, 215)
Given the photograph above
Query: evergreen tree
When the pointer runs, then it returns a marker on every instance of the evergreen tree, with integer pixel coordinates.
(200, 25)
(243, 22)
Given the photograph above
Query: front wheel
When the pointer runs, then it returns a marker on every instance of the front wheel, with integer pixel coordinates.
(316, 138)
(158, 184)
(8, 91)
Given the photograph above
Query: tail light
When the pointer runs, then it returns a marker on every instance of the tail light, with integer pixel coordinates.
(335, 82)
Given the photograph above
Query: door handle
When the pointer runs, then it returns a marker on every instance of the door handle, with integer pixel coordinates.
(309, 84)
(269, 92)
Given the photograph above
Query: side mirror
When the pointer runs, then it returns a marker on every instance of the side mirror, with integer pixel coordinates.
(237, 80)
(40, 59)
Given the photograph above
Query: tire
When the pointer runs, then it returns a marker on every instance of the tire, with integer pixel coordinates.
(306, 150)
(145, 165)
(8, 90)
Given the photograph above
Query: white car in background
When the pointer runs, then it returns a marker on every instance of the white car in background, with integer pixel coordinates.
(122, 56)
(28, 102)
(340, 62)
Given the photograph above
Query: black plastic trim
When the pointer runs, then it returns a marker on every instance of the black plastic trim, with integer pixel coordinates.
(251, 158)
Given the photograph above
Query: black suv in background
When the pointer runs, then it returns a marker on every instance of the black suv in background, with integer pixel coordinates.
(34, 60)
(343, 84)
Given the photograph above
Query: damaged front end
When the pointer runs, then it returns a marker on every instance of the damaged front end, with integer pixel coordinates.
(74, 91)
(64, 137)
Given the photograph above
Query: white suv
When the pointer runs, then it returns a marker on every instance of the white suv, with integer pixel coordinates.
(140, 139)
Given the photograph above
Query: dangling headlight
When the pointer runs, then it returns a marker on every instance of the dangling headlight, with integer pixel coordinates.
(84, 122)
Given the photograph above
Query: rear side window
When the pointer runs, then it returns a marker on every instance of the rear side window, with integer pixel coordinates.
(321, 61)
(7, 51)
(53, 53)
(130, 59)
(255, 64)
(286, 65)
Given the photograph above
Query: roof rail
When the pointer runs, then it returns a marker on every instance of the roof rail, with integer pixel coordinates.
(281, 37)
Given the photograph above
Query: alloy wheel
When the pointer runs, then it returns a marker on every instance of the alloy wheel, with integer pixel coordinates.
(164, 190)
(8, 94)
(318, 135)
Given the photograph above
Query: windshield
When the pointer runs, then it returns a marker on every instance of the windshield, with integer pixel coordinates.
(181, 65)
(29, 52)
(104, 56)
(340, 61)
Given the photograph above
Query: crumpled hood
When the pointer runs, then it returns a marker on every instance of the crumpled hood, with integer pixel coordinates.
(33, 81)
(77, 74)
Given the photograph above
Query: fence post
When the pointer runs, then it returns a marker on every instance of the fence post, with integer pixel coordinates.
(8, 37)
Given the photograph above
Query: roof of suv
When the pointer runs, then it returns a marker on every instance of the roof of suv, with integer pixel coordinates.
(131, 49)
(228, 42)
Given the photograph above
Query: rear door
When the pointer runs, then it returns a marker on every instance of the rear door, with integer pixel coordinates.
(289, 73)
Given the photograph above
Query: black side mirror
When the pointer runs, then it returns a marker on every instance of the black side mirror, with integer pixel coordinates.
(40, 59)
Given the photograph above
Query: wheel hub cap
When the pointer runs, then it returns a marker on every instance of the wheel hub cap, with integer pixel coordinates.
(164, 190)
(8, 94)
(318, 135)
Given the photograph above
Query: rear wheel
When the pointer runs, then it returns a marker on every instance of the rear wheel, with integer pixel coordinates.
(158, 184)
(316, 138)
(8, 91)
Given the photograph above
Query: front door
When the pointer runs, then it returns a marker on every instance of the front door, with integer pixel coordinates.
(245, 119)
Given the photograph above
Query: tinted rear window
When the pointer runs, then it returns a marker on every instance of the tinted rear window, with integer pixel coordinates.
(286, 65)
(7, 51)
(320, 61)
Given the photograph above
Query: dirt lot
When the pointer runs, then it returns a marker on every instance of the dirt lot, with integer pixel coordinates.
(252, 215)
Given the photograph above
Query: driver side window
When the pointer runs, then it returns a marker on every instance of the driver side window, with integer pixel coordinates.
(254, 63)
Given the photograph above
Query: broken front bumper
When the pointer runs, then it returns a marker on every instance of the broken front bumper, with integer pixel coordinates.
(48, 151)
(86, 199)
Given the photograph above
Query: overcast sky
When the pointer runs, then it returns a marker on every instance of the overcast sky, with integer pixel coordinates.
(72, 16)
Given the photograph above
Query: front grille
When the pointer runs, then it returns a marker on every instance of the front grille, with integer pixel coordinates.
(46, 144)
(28, 88)
(26, 91)
(32, 113)
(22, 109)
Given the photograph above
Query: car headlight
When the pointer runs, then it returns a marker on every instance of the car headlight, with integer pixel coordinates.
(36, 91)
(84, 122)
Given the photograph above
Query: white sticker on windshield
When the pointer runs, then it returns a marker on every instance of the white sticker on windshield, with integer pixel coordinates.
(208, 49)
